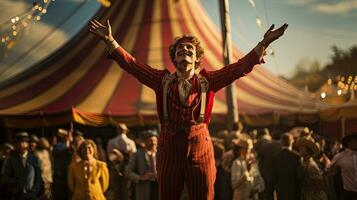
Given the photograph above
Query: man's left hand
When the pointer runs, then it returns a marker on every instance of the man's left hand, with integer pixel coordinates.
(271, 35)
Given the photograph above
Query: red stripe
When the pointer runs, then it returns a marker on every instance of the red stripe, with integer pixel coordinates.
(45, 83)
(167, 36)
(88, 82)
(127, 94)
(82, 88)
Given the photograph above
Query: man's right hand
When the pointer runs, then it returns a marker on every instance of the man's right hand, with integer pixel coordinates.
(102, 32)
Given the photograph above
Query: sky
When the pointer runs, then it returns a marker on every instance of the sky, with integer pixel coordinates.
(314, 27)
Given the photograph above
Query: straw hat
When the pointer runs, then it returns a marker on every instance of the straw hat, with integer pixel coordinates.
(34, 138)
(312, 146)
(348, 138)
(62, 133)
(150, 133)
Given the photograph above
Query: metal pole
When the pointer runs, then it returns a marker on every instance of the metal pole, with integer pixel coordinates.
(232, 107)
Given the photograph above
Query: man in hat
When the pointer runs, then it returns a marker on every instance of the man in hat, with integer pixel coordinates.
(62, 156)
(346, 161)
(22, 171)
(141, 168)
(184, 104)
(127, 147)
(122, 142)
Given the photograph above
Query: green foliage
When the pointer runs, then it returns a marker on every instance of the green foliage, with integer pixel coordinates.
(309, 73)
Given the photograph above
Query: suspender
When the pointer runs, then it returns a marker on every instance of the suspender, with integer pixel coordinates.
(204, 88)
(166, 82)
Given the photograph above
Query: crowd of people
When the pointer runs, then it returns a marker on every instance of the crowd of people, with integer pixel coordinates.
(250, 166)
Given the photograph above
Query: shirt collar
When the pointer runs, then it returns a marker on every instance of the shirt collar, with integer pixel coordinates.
(25, 154)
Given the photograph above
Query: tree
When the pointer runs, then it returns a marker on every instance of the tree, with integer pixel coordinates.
(309, 72)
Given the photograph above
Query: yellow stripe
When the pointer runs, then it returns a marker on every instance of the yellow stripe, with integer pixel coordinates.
(155, 58)
(175, 25)
(49, 71)
(60, 88)
(100, 96)
(57, 90)
(97, 100)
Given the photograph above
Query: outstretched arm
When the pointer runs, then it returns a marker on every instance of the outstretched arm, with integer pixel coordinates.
(144, 73)
(226, 75)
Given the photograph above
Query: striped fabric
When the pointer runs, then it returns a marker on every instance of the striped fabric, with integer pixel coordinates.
(80, 78)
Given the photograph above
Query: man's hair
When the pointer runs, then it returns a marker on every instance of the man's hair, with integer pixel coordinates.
(186, 38)
(286, 139)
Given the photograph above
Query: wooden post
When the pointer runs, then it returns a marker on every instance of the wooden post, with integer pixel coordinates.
(232, 107)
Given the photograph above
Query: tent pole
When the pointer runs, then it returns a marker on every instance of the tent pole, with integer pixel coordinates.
(232, 107)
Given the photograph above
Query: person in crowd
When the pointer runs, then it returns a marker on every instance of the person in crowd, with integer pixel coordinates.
(288, 171)
(33, 143)
(122, 142)
(43, 155)
(89, 178)
(117, 185)
(22, 171)
(346, 162)
(313, 185)
(307, 134)
(222, 180)
(141, 168)
(127, 147)
(62, 156)
(246, 179)
(5, 152)
(267, 149)
(77, 141)
(185, 151)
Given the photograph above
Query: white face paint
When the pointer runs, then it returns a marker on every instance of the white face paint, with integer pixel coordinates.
(185, 57)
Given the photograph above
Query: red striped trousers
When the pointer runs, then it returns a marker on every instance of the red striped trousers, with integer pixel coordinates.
(186, 157)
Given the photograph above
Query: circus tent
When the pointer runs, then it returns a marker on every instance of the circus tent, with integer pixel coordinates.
(78, 83)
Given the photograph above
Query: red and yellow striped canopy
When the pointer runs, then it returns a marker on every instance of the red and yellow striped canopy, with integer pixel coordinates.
(80, 83)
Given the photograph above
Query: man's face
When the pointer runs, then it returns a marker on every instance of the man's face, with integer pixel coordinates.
(185, 56)
(22, 147)
(33, 146)
(151, 143)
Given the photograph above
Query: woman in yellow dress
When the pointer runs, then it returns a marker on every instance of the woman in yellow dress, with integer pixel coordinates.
(89, 178)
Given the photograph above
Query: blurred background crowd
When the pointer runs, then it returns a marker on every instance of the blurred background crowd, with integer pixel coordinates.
(255, 164)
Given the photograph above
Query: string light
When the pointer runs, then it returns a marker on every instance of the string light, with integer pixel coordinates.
(105, 3)
(11, 29)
